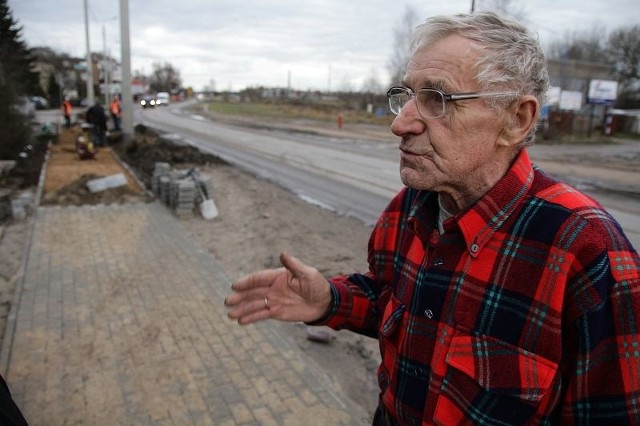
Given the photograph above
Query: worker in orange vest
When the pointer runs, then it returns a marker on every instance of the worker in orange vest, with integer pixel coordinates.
(116, 112)
(66, 112)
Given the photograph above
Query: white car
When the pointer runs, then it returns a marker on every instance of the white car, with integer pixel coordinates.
(162, 98)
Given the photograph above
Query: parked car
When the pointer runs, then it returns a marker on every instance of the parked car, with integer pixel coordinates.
(148, 102)
(25, 107)
(39, 102)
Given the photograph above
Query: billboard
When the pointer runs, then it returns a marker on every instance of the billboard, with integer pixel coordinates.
(570, 100)
(603, 92)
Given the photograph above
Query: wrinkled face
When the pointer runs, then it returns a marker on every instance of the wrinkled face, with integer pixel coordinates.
(453, 153)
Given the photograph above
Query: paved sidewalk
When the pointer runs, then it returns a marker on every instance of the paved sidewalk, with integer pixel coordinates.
(119, 320)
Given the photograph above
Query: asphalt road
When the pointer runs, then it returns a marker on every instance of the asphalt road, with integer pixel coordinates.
(323, 171)
(357, 177)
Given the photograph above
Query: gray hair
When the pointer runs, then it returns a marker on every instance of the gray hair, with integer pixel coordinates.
(513, 59)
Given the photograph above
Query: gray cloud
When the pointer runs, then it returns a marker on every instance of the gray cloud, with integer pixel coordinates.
(259, 42)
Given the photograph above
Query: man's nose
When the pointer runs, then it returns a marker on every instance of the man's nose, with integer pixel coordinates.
(408, 121)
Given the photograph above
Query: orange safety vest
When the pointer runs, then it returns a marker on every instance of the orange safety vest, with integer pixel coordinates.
(115, 107)
(66, 107)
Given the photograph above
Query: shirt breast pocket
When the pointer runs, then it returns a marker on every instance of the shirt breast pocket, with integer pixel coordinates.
(490, 381)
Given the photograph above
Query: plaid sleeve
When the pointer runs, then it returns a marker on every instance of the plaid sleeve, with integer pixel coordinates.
(355, 304)
(359, 299)
(604, 378)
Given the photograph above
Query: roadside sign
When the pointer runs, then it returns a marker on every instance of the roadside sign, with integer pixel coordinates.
(570, 100)
(553, 95)
(603, 92)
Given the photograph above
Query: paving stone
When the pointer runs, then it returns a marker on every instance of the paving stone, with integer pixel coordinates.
(120, 320)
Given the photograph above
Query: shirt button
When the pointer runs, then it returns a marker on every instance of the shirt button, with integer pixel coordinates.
(438, 262)
(428, 313)
(474, 248)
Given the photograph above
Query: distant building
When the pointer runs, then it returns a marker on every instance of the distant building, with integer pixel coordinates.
(575, 75)
(568, 111)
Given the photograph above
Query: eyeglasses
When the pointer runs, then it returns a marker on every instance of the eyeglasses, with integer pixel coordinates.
(431, 103)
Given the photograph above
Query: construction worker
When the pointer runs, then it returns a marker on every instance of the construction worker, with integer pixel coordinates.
(116, 112)
(96, 116)
(66, 112)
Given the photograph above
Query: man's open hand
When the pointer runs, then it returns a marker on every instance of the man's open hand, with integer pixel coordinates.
(295, 292)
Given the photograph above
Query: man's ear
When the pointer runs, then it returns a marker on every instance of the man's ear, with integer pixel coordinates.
(521, 119)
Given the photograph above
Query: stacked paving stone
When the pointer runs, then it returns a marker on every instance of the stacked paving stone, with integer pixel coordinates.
(183, 195)
(177, 188)
(165, 189)
(160, 169)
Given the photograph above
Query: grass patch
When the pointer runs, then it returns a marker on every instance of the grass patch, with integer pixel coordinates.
(585, 140)
(632, 136)
(328, 113)
(277, 111)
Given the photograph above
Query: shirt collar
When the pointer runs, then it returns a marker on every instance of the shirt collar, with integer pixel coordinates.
(423, 212)
(480, 221)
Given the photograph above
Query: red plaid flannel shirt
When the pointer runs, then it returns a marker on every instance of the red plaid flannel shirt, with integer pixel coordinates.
(526, 310)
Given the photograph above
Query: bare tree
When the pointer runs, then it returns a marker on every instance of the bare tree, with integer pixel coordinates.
(623, 51)
(504, 7)
(346, 86)
(164, 78)
(401, 45)
(620, 50)
(372, 84)
(586, 46)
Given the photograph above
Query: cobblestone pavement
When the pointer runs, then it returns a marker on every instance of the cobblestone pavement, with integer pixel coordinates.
(120, 321)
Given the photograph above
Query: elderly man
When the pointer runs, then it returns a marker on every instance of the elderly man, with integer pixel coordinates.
(498, 294)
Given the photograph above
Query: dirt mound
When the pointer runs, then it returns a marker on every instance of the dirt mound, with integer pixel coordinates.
(77, 193)
(26, 171)
(150, 148)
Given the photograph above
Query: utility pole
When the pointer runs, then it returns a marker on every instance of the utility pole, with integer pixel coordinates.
(473, 5)
(90, 96)
(105, 68)
(106, 64)
(127, 95)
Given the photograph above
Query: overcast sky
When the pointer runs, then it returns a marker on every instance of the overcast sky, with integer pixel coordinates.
(321, 44)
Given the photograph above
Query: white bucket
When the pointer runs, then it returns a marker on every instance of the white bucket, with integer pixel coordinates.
(208, 209)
